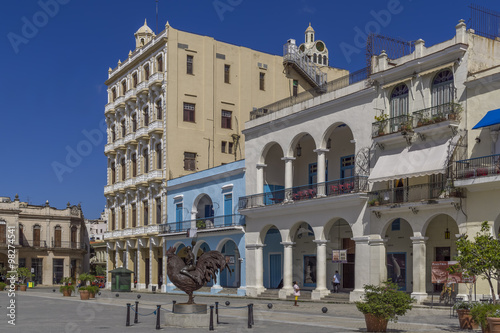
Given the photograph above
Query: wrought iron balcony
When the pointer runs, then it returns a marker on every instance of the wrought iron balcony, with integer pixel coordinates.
(477, 167)
(214, 222)
(331, 188)
(437, 114)
(397, 124)
(413, 193)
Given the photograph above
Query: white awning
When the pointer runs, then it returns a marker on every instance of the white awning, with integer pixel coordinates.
(438, 68)
(422, 159)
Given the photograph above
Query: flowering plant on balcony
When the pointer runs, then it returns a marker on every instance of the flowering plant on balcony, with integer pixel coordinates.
(381, 122)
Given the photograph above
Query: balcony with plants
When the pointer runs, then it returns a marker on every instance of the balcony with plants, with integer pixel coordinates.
(211, 223)
(483, 171)
(386, 125)
(444, 113)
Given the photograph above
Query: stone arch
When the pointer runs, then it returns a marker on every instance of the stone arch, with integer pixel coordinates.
(265, 151)
(291, 149)
(231, 276)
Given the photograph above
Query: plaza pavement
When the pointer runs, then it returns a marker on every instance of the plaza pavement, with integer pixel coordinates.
(41, 310)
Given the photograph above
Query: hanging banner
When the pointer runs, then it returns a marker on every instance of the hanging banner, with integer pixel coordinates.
(339, 256)
(441, 274)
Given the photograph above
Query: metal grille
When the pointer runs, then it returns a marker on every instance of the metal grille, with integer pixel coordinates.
(485, 22)
(395, 48)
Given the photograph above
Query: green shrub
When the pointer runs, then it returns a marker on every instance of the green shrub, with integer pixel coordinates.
(2, 285)
(480, 311)
(67, 287)
(385, 301)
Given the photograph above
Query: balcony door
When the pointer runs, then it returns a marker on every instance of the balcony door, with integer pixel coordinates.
(3, 232)
(228, 209)
(57, 236)
(36, 235)
(347, 166)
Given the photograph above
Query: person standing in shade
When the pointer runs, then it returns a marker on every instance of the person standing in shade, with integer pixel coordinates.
(336, 282)
(296, 292)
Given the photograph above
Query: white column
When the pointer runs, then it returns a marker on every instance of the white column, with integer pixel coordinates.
(321, 290)
(164, 267)
(361, 267)
(255, 281)
(321, 173)
(419, 269)
(260, 187)
(288, 177)
(287, 269)
(378, 269)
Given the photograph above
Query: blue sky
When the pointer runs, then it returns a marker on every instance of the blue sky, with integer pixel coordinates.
(55, 56)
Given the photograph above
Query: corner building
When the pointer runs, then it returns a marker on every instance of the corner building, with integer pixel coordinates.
(176, 106)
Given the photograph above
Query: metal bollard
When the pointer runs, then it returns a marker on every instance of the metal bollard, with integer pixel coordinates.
(128, 315)
(251, 312)
(136, 319)
(217, 312)
(158, 308)
(211, 327)
(249, 317)
(173, 305)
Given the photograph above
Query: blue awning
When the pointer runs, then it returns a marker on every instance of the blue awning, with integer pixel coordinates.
(491, 118)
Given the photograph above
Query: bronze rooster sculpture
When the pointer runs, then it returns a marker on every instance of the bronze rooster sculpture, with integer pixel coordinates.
(206, 268)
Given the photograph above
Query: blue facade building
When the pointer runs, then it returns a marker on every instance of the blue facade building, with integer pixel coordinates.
(203, 213)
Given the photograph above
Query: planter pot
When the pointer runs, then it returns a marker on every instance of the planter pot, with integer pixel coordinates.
(23, 287)
(2, 288)
(67, 293)
(91, 295)
(84, 295)
(486, 328)
(494, 324)
(465, 320)
(375, 324)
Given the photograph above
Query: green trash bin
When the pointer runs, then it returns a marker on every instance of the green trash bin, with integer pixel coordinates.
(121, 279)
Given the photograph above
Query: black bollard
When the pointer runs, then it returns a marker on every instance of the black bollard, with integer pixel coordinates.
(211, 327)
(217, 312)
(128, 315)
(249, 317)
(136, 320)
(173, 306)
(251, 312)
(158, 308)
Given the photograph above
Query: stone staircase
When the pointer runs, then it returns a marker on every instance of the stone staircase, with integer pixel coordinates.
(337, 298)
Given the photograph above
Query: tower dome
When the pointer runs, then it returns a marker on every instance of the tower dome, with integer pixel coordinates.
(143, 35)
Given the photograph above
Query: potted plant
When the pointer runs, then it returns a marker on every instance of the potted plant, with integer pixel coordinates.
(2, 286)
(456, 110)
(481, 311)
(494, 321)
(68, 286)
(24, 273)
(372, 202)
(200, 224)
(383, 303)
(84, 293)
(381, 121)
(92, 291)
(464, 317)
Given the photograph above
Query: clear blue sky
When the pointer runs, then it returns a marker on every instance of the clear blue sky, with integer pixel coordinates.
(53, 68)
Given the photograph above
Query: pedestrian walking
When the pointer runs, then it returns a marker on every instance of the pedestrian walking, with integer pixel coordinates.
(336, 282)
(296, 292)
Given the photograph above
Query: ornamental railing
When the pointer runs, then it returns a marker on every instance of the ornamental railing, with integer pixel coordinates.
(203, 223)
(478, 167)
(336, 187)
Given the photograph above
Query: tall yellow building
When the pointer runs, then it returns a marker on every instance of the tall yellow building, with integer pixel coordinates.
(177, 105)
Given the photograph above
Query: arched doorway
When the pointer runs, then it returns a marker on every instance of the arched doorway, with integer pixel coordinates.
(204, 211)
(342, 249)
(399, 251)
(230, 277)
(304, 255)
(273, 259)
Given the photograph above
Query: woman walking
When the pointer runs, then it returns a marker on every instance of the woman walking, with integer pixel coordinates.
(296, 292)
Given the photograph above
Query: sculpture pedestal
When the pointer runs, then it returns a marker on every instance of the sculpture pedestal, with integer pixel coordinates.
(189, 316)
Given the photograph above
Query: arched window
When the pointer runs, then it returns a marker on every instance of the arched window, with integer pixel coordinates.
(113, 133)
(399, 101)
(146, 160)
(57, 236)
(113, 173)
(325, 62)
(22, 241)
(134, 80)
(134, 123)
(320, 58)
(159, 63)
(74, 240)
(159, 111)
(158, 156)
(315, 59)
(442, 88)
(134, 165)
(36, 235)
(123, 169)
(3, 232)
(145, 114)
(124, 87)
(113, 94)
(146, 72)
(124, 132)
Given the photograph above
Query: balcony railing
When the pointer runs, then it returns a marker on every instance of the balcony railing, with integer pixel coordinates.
(309, 94)
(436, 114)
(54, 244)
(413, 193)
(204, 223)
(392, 125)
(155, 174)
(142, 131)
(336, 187)
(156, 78)
(155, 126)
(292, 54)
(130, 94)
(120, 101)
(478, 167)
(142, 87)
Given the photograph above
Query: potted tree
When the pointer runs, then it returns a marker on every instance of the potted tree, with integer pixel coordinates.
(23, 274)
(85, 287)
(68, 286)
(481, 311)
(381, 123)
(464, 316)
(2, 286)
(383, 303)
